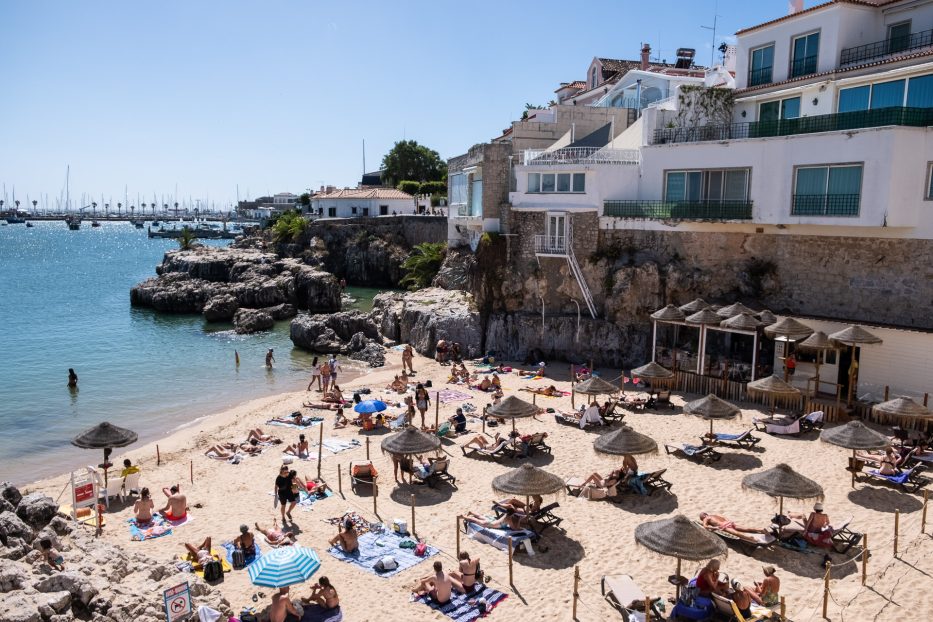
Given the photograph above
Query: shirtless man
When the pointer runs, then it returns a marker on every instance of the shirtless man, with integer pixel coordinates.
(176, 507)
(715, 521)
(270, 359)
(299, 449)
(275, 536)
(245, 541)
(439, 587)
(281, 606)
(347, 538)
(510, 520)
(408, 356)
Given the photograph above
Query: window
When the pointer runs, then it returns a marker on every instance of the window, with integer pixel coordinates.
(913, 93)
(458, 189)
(476, 206)
(781, 109)
(833, 190)
(332, 212)
(887, 94)
(761, 66)
(592, 78)
(383, 210)
(920, 92)
(856, 98)
(353, 210)
(556, 182)
(806, 48)
(710, 186)
(898, 37)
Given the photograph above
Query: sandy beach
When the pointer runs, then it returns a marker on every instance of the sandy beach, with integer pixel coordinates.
(598, 537)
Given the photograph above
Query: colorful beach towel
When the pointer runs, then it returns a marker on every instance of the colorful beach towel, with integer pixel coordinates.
(175, 523)
(252, 556)
(459, 607)
(375, 546)
(446, 396)
(499, 538)
(156, 528)
(359, 523)
(316, 613)
(306, 499)
(282, 424)
(337, 445)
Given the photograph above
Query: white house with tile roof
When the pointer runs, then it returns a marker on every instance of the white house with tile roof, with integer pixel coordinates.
(354, 203)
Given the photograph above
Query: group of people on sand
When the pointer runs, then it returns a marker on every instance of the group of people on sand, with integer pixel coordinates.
(323, 595)
(288, 487)
(765, 592)
(175, 508)
(446, 353)
(440, 586)
(324, 374)
(814, 528)
(516, 515)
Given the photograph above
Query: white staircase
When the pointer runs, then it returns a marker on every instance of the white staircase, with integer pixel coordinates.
(577, 273)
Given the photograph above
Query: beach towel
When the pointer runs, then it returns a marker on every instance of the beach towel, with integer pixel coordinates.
(374, 546)
(175, 523)
(250, 556)
(499, 538)
(156, 528)
(337, 445)
(316, 421)
(359, 523)
(459, 607)
(311, 457)
(306, 499)
(446, 396)
(199, 569)
(316, 613)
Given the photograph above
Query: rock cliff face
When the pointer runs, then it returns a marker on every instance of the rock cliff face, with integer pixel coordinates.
(424, 317)
(352, 333)
(221, 281)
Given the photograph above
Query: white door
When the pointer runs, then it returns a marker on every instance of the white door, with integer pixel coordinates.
(557, 231)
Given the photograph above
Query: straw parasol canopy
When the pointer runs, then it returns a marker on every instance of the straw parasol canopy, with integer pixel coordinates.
(903, 407)
(817, 341)
(595, 386)
(767, 318)
(704, 316)
(513, 408)
(790, 329)
(712, 407)
(773, 386)
(679, 537)
(695, 305)
(855, 435)
(855, 336)
(733, 310)
(409, 442)
(105, 436)
(782, 481)
(652, 371)
(527, 480)
(625, 442)
(670, 313)
(742, 321)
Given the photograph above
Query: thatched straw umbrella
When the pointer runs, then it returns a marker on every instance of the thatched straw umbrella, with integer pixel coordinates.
(527, 480)
(820, 342)
(694, 305)
(774, 387)
(782, 481)
(670, 313)
(767, 318)
(593, 387)
(679, 537)
(625, 442)
(854, 336)
(791, 330)
(513, 408)
(652, 371)
(409, 442)
(741, 321)
(704, 316)
(105, 436)
(855, 435)
(711, 408)
(903, 408)
(733, 310)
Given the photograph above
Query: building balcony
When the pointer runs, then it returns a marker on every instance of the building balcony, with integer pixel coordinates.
(757, 77)
(880, 49)
(679, 210)
(555, 245)
(464, 210)
(578, 155)
(802, 67)
(826, 205)
(859, 119)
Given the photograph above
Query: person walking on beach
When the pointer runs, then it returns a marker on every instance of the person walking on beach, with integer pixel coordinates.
(269, 359)
(325, 375)
(315, 375)
(334, 367)
(284, 493)
(422, 401)
(408, 356)
(72, 379)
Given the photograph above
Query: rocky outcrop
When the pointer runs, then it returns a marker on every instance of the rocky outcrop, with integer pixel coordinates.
(424, 317)
(350, 332)
(101, 582)
(247, 321)
(221, 308)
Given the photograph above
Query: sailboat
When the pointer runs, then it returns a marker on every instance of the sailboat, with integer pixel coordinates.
(74, 220)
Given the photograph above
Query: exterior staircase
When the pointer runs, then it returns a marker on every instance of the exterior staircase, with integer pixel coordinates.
(577, 272)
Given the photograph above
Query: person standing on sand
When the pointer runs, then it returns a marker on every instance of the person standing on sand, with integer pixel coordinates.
(422, 401)
(408, 356)
(325, 375)
(334, 367)
(281, 606)
(315, 375)
(72, 379)
(269, 359)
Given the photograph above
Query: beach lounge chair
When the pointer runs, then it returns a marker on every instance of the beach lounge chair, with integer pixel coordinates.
(844, 538)
(788, 426)
(661, 399)
(363, 474)
(131, 484)
(728, 610)
(499, 538)
(503, 450)
(750, 543)
(567, 418)
(700, 453)
(438, 472)
(624, 595)
(613, 413)
(536, 443)
(908, 480)
(576, 488)
(114, 489)
(745, 440)
(540, 520)
(655, 481)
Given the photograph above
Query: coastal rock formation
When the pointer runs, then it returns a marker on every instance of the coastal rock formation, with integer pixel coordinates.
(101, 582)
(221, 308)
(252, 320)
(349, 332)
(424, 317)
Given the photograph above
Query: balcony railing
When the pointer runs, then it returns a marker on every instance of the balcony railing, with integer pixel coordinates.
(550, 245)
(579, 155)
(909, 117)
(825, 205)
(880, 49)
(760, 76)
(462, 210)
(803, 66)
(679, 210)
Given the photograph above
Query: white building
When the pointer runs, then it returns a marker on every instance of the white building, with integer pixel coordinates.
(353, 203)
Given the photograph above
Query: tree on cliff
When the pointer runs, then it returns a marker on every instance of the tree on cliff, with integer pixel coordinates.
(187, 239)
(423, 265)
(411, 161)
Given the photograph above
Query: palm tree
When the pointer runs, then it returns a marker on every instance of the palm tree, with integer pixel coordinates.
(187, 239)
(119, 209)
(34, 205)
(423, 265)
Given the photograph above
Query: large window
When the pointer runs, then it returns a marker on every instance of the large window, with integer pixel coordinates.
(762, 66)
(914, 93)
(898, 37)
(476, 204)
(458, 189)
(779, 109)
(806, 49)
(830, 190)
(556, 182)
(887, 94)
(713, 186)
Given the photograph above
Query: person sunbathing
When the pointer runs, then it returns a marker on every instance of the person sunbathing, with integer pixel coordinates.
(275, 536)
(176, 504)
(510, 520)
(816, 530)
(334, 395)
(324, 596)
(295, 418)
(437, 587)
(484, 385)
(888, 463)
(424, 468)
(202, 553)
(496, 383)
(262, 437)
(498, 443)
(519, 506)
(323, 405)
(716, 522)
(347, 538)
(399, 385)
(222, 451)
(742, 599)
(591, 416)
(315, 486)
(707, 580)
(609, 482)
(767, 591)
(550, 391)
(532, 373)
(299, 449)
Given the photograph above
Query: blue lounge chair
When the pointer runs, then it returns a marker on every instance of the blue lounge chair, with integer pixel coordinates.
(702, 453)
(745, 440)
(908, 480)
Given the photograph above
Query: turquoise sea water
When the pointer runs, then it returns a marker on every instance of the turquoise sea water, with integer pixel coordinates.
(64, 302)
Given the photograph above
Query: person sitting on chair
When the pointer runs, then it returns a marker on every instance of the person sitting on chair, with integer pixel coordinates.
(816, 530)
(767, 591)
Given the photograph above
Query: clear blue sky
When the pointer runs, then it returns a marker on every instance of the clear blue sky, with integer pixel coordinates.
(276, 95)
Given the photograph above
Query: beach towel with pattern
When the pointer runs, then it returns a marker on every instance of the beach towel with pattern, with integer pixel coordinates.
(499, 538)
(375, 546)
(337, 445)
(459, 608)
(156, 528)
(282, 424)
(446, 396)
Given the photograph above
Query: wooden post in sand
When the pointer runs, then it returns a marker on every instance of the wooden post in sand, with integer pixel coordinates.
(484, 419)
(576, 589)
(367, 448)
(375, 496)
(158, 457)
(923, 515)
(829, 567)
(864, 558)
(534, 399)
(413, 531)
(458, 536)
(320, 448)
(647, 608)
(437, 410)
(191, 471)
(510, 562)
(897, 524)
(783, 607)
(340, 479)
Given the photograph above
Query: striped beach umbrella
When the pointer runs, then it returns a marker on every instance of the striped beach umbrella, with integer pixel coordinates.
(284, 567)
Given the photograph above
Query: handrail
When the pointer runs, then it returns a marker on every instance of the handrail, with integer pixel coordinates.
(579, 155)
(880, 49)
(679, 210)
(825, 205)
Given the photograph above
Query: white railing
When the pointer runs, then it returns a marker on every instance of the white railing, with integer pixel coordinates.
(579, 155)
(578, 273)
(550, 245)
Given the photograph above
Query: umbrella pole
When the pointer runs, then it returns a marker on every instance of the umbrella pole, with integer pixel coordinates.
(320, 449)
(851, 389)
(853, 467)
(678, 584)
(105, 469)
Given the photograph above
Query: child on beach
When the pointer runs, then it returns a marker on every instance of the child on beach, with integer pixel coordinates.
(52, 556)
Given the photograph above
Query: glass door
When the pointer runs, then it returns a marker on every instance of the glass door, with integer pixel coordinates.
(557, 231)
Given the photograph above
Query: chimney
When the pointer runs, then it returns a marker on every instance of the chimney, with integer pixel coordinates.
(645, 56)
(794, 6)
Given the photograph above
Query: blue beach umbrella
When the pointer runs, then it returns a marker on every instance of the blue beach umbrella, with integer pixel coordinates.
(284, 567)
(370, 406)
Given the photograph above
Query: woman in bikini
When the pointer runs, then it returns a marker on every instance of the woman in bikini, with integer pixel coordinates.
(422, 401)
(299, 449)
(467, 575)
(275, 536)
(335, 395)
(142, 509)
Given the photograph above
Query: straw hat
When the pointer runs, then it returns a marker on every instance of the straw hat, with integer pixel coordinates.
(527, 480)
(854, 435)
(783, 481)
(704, 316)
(410, 441)
(695, 305)
(742, 321)
(596, 386)
(790, 329)
(854, 335)
(733, 310)
(670, 313)
(679, 537)
(652, 371)
(625, 442)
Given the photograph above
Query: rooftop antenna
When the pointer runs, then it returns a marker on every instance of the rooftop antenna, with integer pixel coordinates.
(364, 156)
(716, 16)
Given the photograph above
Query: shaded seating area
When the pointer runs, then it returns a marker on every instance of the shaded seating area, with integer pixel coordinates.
(790, 426)
(539, 520)
(503, 449)
(437, 472)
(536, 443)
(843, 538)
(700, 453)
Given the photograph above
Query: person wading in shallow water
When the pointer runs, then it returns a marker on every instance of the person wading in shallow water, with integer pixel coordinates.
(269, 359)
(72, 379)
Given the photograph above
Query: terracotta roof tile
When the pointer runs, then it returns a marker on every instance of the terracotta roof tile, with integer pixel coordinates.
(365, 193)
(873, 3)
(576, 84)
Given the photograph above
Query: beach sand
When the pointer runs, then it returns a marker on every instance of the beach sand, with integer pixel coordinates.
(599, 535)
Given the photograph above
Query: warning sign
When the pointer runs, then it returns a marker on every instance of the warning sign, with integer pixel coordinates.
(177, 603)
(83, 493)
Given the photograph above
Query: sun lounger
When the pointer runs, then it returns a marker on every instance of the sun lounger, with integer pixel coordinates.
(790, 426)
(540, 520)
(661, 399)
(728, 610)
(567, 418)
(748, 544)
(575, 487)
(655, 481)
(624, 595)
(843, 538)
(536, 442)
(613, 413)
(503, 450)
(499, 538)
(908, 480)
(437, 473)
(745, 440)
(701, 453)
(363, 474)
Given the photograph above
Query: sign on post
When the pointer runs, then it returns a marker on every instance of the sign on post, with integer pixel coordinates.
(84, 493)
(177, 602)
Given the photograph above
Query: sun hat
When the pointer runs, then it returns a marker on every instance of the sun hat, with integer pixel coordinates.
(817, 507)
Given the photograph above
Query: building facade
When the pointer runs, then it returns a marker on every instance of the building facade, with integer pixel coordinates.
(353, 203)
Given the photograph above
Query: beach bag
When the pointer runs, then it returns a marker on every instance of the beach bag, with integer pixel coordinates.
(238, 557)
(213, 571)
(428, 384)
(385, 564)
(421, 549)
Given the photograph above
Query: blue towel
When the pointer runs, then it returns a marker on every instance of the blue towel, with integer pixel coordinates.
(250, 557)
(459, 608)
(730, 437)
(292, 425)
(156, 528)
(900, 478)
(374, 547)
(693, 449)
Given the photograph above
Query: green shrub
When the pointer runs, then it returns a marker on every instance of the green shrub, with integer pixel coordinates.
(433, 187)
(289, 226)
(423, 265)
(411, 187)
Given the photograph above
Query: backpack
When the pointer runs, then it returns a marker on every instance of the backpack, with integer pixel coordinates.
(239, 559)
(213, 571)
(421, 549)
